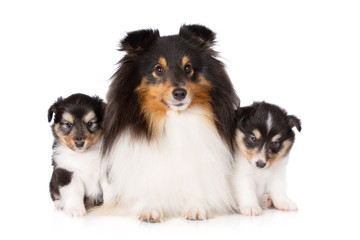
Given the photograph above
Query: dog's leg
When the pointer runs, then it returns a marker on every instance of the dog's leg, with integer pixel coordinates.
(277, 191)
(72, 196)
(246, 197)
(150, 210)
(265, 201)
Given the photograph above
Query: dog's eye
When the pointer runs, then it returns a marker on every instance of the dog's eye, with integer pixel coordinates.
(69, 125)
(275, 144)
(253, 139)
(159, 70)
(188, 68)
(89, 124)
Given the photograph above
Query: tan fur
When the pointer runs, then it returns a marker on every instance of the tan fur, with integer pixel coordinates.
(154, 99)
(248, 153)
(257, 133)
(273, 157)
(153, 104)
(89, 116)
(65, 140)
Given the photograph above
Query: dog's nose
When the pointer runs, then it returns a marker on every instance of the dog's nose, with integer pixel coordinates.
(179, 93)
(79, 144)
(260, 164)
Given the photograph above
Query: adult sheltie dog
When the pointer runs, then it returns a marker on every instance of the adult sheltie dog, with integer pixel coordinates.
(170, 123)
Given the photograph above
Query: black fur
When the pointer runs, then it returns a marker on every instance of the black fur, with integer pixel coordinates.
(143, 48)
(77, 105)
(60, 177)
(255, 116)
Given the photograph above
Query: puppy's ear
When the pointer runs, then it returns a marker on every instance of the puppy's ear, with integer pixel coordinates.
(242, 114)
(138, 41)
(53, 109)
(294, 122)
(199, 34)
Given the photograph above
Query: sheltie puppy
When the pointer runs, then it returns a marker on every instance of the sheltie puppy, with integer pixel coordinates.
(264, 137)
(77, 129)
(168, 139)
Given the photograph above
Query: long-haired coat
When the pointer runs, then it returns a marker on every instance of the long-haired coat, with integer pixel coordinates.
(168, 139)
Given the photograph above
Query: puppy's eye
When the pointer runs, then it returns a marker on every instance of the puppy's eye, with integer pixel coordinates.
(275, 144)
(188, 68)
(159, 70)
(89, 124)
(253, 139)
(69, 125)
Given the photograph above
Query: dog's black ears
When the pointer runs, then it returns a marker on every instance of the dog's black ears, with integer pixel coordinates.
(242, 114)
(138, 41)
(53, 109)
(294, 122)
(199, 34)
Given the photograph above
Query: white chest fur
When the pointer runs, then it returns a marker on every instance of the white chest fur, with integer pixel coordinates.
(259, 179)
(85, 165)
(187, 165)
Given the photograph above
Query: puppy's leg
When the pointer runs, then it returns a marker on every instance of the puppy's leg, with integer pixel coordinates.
(277, 191)
(246, 197)
(72, 196)
(265, 201)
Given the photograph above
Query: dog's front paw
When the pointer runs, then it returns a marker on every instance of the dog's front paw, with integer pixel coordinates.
(251, 210)
(151, 216)
(285, 205)
(58, 204)
(195, 214)
(75, 212)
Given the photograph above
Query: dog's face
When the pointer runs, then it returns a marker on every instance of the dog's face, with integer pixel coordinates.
(171, 77)
(77, 121)
(171, 69)
(159, 74)
(264, 133)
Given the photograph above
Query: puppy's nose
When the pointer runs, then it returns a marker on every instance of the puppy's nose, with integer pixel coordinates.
(79, 144)
(179, 93)
(260, 164)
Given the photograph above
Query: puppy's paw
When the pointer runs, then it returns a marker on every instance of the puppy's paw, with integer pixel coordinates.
(150, 215)
(195, 214)
(75, 212)
(251, 210)
(58, 204)
(265, 201)
(285, 205)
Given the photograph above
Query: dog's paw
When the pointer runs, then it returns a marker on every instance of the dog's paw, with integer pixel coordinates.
(195, 214)
(285, 205)
(76, 212)
(151, 216)
(251, 210)
(265, 201)
(58, 204)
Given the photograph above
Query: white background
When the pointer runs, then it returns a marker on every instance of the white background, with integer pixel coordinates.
(301, 55)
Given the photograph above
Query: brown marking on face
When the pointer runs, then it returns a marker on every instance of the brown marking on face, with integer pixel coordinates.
(153, 99)
(248, 153)
(257, 133)
(276, 138)
(89, 116)
(91, 138)
(199, 93)
(65, 140)
(162, 62)
(186, 61)
(68, 117)
(273, 157)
